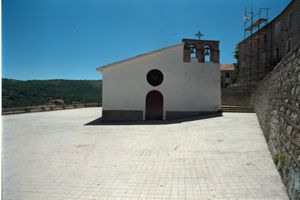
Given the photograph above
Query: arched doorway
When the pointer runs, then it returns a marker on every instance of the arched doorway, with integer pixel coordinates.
(154, 105)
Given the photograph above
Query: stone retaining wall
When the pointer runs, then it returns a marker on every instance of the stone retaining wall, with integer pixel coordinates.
(6, 111)
(237, 96)
(277, 105)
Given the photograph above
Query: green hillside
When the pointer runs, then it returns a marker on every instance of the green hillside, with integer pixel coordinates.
(17, 93)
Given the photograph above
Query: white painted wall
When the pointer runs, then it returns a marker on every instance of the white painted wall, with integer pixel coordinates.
(186, 87)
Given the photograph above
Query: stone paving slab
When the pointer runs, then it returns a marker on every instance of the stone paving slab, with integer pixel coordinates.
(54, 155)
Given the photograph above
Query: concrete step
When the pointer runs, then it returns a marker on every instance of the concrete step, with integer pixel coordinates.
(241, 109)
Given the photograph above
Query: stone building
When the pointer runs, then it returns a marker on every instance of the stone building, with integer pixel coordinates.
(264, 48)
(170, 83)
(227, 74)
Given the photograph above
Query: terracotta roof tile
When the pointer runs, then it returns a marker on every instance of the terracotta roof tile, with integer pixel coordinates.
(227, 67)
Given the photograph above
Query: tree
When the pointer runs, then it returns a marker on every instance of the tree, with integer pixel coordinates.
(236, 54)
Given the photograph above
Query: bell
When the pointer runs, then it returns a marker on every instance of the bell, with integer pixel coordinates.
(206, 53)
(192, 50)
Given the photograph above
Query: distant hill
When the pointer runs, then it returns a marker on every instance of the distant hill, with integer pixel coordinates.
(16, 93)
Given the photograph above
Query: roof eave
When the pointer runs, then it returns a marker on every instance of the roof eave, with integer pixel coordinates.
(104, 67)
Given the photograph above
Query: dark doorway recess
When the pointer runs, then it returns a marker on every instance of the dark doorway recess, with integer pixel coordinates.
(154, 105)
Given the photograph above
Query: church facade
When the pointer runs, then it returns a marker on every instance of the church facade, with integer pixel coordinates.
(170, 83)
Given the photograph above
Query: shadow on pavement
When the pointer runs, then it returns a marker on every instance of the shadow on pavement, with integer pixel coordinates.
(99, 121)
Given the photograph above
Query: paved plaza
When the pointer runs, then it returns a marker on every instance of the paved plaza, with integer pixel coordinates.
(55, 155)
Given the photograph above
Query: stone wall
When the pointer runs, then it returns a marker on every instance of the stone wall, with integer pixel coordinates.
(51, 107)
(237, 96)
(277, 105)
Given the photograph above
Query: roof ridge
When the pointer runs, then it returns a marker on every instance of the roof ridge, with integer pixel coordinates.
(136, 57)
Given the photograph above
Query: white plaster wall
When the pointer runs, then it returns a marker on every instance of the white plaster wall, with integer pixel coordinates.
(186, 87)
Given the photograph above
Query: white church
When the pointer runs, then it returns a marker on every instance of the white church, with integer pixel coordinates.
(171, 83)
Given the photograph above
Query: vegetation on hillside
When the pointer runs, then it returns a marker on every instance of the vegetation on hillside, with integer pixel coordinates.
(16, 93)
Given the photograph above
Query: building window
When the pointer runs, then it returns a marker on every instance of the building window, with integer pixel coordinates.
(288, 45)
(290, 17)
(263, 58)
(155, 77)
(277, 28)
(276, 54)
(227, 75)
(265, 38)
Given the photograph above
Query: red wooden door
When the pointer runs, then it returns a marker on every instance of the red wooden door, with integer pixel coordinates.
(154, 105)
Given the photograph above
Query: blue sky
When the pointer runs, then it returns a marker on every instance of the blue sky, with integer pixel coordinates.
(68, 39)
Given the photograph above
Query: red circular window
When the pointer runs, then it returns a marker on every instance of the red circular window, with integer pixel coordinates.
(155, 77)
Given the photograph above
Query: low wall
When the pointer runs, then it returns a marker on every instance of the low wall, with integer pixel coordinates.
(237, 96)
(277, 105)
(6, 111)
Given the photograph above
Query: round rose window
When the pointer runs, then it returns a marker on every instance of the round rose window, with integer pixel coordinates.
(155, 77)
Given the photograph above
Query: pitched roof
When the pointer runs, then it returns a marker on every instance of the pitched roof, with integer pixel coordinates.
(227, 67)
(136, 57)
